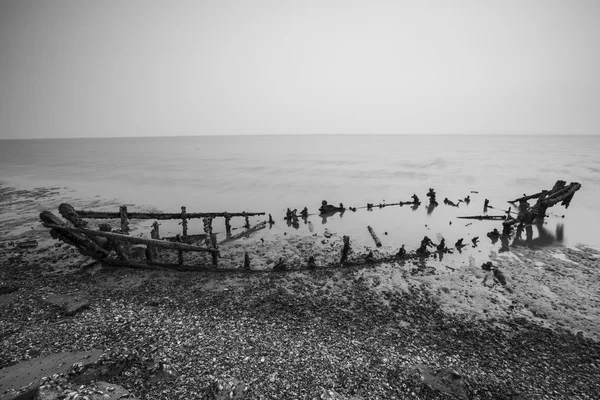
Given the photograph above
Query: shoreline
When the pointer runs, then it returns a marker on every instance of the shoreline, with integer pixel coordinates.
(361, 330)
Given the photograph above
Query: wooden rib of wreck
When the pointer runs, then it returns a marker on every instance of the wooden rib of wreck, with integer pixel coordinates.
(114, 248)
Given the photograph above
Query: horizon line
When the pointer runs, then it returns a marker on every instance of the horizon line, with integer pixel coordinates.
(304, 134)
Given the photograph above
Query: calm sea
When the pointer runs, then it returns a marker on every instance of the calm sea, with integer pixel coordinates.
(271, 173)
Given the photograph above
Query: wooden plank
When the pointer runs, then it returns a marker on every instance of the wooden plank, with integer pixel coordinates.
(132, 239)
(159, 216)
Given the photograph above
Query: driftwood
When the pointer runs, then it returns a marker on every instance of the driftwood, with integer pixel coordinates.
(125, 238)
(61, 231)
(374, 236)
(158, 216)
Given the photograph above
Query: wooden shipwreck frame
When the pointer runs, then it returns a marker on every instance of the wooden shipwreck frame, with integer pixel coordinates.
(118, 248)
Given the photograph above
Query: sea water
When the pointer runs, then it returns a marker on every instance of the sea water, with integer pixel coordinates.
(272, 173)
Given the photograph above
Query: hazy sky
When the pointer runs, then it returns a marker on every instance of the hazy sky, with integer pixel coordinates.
(145, 68)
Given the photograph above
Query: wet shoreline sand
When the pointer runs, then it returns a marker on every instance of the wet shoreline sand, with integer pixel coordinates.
(364, 330)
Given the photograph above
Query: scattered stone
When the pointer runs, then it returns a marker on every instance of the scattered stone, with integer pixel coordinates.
(228, 389)
(163, 371)
(445, 380)
(327, 234)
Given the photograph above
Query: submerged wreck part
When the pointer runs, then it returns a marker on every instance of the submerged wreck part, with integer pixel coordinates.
(329, 208)
(561, 192)
(374, 236)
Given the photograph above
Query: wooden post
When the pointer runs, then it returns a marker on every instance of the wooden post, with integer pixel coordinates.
(345, 249)
(374, 236)
(154, 234)
(126, 247)
(210, 240)
(246, 261)
(184, 222)
(180, 252)
(228, 225)
(124, 220)
(247, 225)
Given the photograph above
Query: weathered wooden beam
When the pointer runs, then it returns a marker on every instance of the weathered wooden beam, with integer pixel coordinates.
(525, 198)
(132, 239)
(82, 242)
(255, 228)
(480, 217)
(374, 236)
(159, 216)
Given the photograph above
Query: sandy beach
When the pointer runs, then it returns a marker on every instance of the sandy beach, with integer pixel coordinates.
(382, 328)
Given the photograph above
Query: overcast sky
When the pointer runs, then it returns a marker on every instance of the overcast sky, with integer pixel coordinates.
(155, 68)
